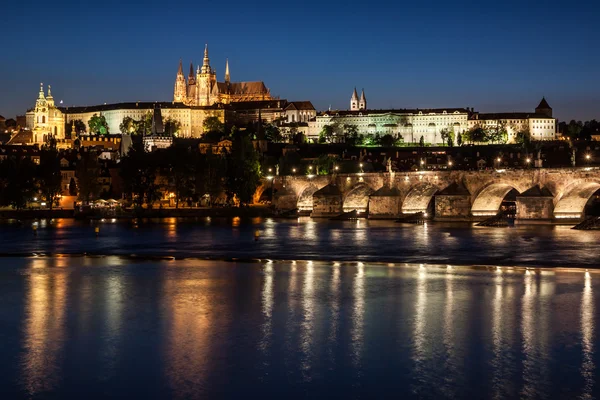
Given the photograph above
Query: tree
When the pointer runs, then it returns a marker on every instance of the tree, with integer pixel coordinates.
(17, 182)
(499, 133)
(387, 140)
(49, 174)
(172, 127)
(181, 171)
(272, 133)
(128, 126)
(523, 137)
(476, 134)
(213, 125)
(422, 141)
(243, 170)
(324, 164)
(98, 125)
(459, 139)
(87, 172)
(210, 171)
(447, 137)
(326, 134)
(138, 171)
(352, 136)
(72, 187)
(79, 127)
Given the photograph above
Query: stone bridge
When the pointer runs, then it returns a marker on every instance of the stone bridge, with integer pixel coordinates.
(540, 194)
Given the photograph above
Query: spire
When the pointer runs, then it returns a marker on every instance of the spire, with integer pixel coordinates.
(180, 70)
(362, 96)
(206, 62)
(354, 95)
(191, 69)
(41, 94)
(227, 78)
(49, 92)
(362, 104)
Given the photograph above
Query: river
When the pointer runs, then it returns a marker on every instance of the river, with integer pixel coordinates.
(307, 310)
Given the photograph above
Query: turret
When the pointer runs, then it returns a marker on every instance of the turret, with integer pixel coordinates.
(354, 101)
(49, 98)
(362, 104)
(206, 61)
(544, 108)
(179, 92)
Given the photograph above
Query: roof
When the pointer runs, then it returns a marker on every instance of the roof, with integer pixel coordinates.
(329, 190)
(22, 137)
(508, 115)
(125, 106)
(455, 189)
(234, 88)
(425, 111)
(300, 105)
(2, 118)
(536, 191)
(543, 104)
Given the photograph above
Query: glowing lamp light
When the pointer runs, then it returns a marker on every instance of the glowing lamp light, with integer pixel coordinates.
(450, 163)
(310, 167)
(587, 156)
(269, 177)
(422, 162)
(528, 160)
(498, 159)
(294, 170)
(336, 167)
(270, 169)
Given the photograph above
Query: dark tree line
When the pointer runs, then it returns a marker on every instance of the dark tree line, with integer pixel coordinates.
(188, 175)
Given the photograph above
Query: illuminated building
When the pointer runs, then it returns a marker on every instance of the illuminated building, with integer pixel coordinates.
(45, 120)
(202, 89)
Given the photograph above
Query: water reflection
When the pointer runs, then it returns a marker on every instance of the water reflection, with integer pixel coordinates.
(449, 334)
(358, 312)
(498, 383)
(44, 330)
(527, 331)
(308, 321)
(419, 338)
(587, 337)
(334, 288)
(267, 306)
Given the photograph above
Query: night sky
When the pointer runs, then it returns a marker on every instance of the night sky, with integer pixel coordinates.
(493, 56)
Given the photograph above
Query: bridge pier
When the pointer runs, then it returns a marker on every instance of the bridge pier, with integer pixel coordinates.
(535, 205)
(385, 203)
(327, 202)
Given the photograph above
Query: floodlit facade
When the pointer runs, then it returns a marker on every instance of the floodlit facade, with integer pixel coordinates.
(45, 120)
(202, 88)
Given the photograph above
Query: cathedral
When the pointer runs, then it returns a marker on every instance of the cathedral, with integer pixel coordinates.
(202, 88)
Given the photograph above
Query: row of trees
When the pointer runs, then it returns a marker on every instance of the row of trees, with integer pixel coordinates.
(215, 130)
(22, 181)
(189, 174)
(577, 130)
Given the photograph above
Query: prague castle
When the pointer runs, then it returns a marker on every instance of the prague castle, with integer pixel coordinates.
(202, 88)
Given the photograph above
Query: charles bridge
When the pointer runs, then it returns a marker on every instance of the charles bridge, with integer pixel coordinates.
(542, 194)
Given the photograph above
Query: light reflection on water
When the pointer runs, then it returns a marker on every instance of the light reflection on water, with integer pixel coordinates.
(206, 329)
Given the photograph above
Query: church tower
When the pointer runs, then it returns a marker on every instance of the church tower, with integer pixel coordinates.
(205, 80)
(544, 108)
(354, 101)
(191, 85)
(179, 93)
(362, 104)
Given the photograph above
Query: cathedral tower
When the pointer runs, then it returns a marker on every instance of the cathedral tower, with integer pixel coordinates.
(191, 85)
(354, 101)
(179, 93)
(205, 80)
(362, 104)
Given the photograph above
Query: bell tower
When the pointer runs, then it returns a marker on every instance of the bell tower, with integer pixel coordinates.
(179, 93)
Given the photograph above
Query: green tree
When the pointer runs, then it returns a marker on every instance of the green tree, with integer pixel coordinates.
(326, 134)
(138, 171)
(98, 125)
(523, 137)
(459, 139)
(243, 170)
(325, 164)
(213, 125)
(87, 172)
(49, 174)
(128, 126)
(352, 136)
(422, 141)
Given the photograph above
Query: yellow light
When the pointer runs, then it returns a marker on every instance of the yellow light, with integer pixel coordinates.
(528, 160)
(498, 159)
(336, 167)
(587, 156)
(294, 170)
(450, 163)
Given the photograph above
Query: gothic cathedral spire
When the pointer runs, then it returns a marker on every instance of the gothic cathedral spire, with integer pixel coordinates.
(362, 104)
(354, 101)
(179, 92)
(206, 61)
(227, 78)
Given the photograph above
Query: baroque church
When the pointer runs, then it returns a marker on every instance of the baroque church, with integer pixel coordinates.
(45, 120)
(202, 88)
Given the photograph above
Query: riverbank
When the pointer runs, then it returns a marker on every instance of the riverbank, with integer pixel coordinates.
(224, 212)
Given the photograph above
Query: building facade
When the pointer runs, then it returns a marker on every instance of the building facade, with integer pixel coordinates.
(45, 120)
(203, 89)
(540, 124)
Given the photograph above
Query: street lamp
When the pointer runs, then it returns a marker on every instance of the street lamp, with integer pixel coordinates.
(294, 170)
(450, 163)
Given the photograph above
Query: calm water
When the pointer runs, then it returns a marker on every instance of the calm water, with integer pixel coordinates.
(97, 327)
(309, 239)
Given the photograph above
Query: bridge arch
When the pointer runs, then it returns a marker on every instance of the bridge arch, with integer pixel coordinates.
(572, 203)
(305, 199)
(489, 199)
(419, 198)
(357, 198)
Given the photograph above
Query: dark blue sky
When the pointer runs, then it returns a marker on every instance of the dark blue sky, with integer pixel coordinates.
(493, 56)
